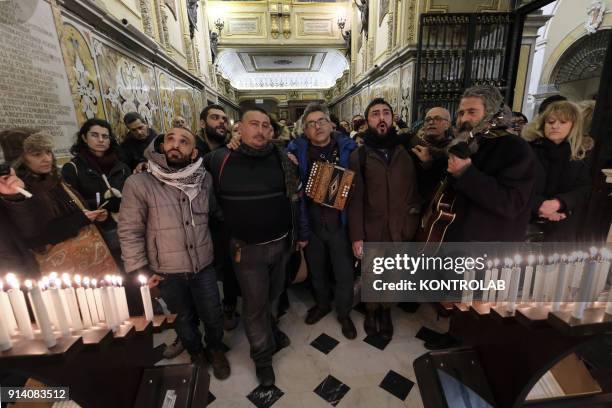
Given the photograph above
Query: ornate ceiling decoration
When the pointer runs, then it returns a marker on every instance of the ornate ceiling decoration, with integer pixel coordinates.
(284, 69)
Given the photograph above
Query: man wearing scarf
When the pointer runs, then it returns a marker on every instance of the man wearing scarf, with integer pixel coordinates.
(164, 233)
(385, 202)
(257, 187)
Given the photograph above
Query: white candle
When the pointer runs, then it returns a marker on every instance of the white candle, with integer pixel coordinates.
(6, 310)
(515, 279)
(91, 302)
(123, 299)
(117, 299)
(83, 305)
(42, 316)
(107, 304)
(586, 286)
(561, 284)
(506, 274)
(98, 298)
(602, 273)
(538, 282)
(494, 274)
(115, 317)
(20, 308)
(60, 312)
(487, 280)
(71, 300)
(527, 279)
(577, 275)
(64, 302)
(609, 304)
(146, 298)
(5, 337)
(552, 271)
(44, 285)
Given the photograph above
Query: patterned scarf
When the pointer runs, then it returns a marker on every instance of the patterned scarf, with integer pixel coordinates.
(188, 179)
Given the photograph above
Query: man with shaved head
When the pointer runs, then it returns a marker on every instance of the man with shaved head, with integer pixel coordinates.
(164, 234)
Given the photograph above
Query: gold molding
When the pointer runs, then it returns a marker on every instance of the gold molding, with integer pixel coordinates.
(259, 18)
(301, 18)
(521, 78)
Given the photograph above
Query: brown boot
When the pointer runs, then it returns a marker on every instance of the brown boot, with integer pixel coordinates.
(386, 325)
(369, 324)
(221, 367)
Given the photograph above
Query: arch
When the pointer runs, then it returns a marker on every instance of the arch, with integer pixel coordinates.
(583, 59)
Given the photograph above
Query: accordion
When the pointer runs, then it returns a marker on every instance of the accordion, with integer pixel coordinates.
(329, 185)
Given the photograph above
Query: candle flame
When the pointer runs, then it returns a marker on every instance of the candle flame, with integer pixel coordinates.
(120, 280)
(518, 259)
(114, 280)
(142, 279)
(496, 262)
(507, 261)
(41, 284)
(541, 258)
(563, 258)
(53, 276)
(555, 257)
(94, 282)
(86, 281)
(66, 279)
(593, 251)
(531, 259)
(77, 279)
(12, 280)
(28, 283)
(489, 264)
(551, 259)
(605, 253)
(58, 283)
(1, 284)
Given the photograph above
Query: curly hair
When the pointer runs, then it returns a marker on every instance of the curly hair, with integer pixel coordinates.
(81, 144)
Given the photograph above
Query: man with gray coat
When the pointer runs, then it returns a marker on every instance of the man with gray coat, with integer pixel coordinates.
(164, 233)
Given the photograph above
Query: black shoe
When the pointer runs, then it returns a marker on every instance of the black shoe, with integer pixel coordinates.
(370, 324)
(220, 365)
(230, 317)
(282, 340)
(199, 359)
(265, 375)
(385, 323)
(348, 328)
(174, 349)
(283, 304)
(316, 313)
(442, 342)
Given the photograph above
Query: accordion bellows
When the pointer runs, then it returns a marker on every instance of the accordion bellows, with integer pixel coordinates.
(329, 185)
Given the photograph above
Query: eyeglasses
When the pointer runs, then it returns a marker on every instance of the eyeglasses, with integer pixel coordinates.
(436, 119)
(320, 123)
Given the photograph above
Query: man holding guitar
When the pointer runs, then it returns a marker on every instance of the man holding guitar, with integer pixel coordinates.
(492, 176)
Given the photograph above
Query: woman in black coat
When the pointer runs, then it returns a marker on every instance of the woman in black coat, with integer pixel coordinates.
(97, 173)
(563, 183)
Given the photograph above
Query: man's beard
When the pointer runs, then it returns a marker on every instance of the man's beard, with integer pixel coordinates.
(375, 130)
(215, 136)
(466, 127)
(178, 162)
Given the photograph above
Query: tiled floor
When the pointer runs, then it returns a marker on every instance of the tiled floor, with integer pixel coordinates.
(321, 368)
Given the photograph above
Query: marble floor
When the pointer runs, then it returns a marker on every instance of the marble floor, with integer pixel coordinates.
(321, 368)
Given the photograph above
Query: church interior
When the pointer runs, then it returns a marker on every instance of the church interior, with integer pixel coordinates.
(69, 67)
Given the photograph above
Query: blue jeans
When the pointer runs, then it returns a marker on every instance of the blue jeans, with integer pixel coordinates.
(194, 297)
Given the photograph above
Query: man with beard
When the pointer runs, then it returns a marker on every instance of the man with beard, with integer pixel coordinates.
(494, 180)
(213, 129)
(164, 234)
(257, 186)
(140, 134)
(212, 136)
(385, 202)
(430, 148)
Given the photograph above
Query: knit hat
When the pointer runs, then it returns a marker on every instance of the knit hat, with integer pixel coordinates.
(15, 142)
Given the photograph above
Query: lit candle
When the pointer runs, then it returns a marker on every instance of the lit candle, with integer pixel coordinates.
(146, 298)
(44, 285)
(20, 308)
(506, 274)
(577, 275)
(113, 299)
(123, 299)
(515, 279)
(551, 277)
(64, 301)
(527, 279)
(494, 274)
(586, 285)
(602, 273)
(60, 312)
(117, 298)
(71, 300)
(83, 305)
(538, 282)
(561, 283)
(7, 311)
(91, 301)
(98, 297)
(40, 312)
(487, 280)
(107, 304)
(5, 337)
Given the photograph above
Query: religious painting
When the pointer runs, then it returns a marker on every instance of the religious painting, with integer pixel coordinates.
(82, 75)
(127, 86)
(405, 88)
(383, 10)
(176, 99)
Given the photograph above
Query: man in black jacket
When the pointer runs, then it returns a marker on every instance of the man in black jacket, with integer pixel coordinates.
(138, 138)
(213, 129)
(257, 187)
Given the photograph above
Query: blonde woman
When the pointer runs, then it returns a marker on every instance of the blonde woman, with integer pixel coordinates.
(562, 177)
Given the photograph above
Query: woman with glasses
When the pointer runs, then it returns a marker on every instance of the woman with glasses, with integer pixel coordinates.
(98, 175)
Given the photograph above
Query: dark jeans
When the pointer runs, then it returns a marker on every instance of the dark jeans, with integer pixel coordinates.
(195, 297)
(223, 263)
(323, 245)
(260, 270)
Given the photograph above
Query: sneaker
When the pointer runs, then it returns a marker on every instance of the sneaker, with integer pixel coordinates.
(370, 323)
(220, 365)
(348, 328)
(316, 313)
(175, 349)
(230, 317)
(386, 325)
(282, 340)
(265, 375)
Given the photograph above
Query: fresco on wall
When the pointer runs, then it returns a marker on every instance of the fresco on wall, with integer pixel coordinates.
(176, 98)
(405, 99)
(127, 86)
(82, 74)
(387, 88)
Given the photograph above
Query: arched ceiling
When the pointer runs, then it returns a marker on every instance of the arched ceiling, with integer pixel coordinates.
(582, 60)
(249, 69)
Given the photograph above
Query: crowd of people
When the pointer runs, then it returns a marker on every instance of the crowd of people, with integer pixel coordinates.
(187, 208)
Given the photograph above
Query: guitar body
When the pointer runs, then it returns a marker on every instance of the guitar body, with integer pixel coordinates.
(438, 217)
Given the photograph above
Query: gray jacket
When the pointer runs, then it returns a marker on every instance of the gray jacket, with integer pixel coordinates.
(155, 226)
